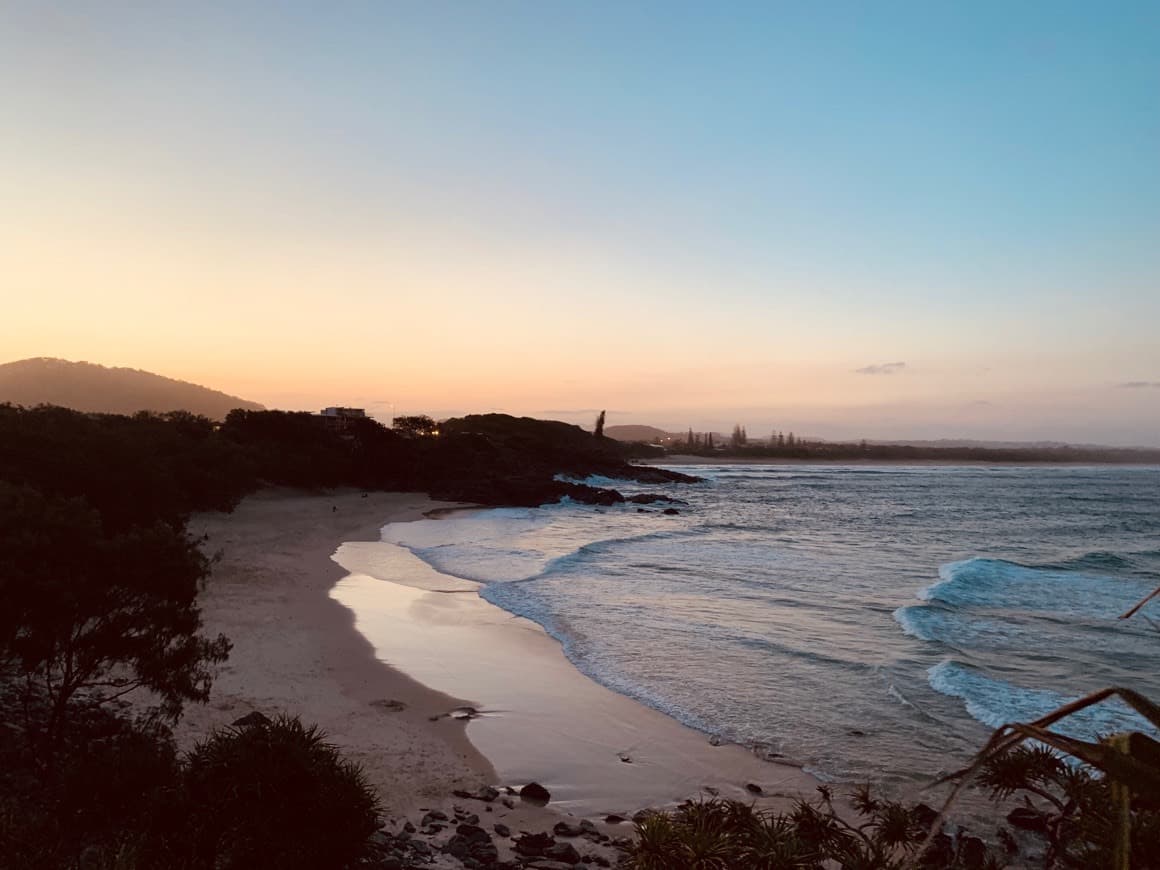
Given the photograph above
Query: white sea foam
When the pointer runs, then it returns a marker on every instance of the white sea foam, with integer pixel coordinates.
(756, 613)
(999, 584)
(996, 702)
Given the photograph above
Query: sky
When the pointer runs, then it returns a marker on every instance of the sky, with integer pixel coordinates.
(884, 220)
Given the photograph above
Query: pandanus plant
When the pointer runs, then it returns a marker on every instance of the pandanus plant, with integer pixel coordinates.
(1111, 810)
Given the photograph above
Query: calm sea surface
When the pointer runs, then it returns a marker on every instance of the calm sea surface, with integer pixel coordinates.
(869, 622)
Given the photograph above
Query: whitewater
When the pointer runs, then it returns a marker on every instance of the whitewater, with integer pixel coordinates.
(868, 622)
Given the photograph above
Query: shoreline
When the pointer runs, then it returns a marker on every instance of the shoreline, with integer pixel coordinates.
(282, 593)
(297, 651)
(539, 716)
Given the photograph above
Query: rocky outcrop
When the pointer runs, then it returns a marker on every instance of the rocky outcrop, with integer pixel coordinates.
(495, 459)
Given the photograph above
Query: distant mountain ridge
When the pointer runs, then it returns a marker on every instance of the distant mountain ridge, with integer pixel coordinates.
(93, 388)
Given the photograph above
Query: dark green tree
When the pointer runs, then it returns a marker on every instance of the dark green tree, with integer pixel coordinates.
(415, 426)
(89, 616)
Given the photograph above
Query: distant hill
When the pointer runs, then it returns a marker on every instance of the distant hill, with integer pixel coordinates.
(647, 434)
(94, 388)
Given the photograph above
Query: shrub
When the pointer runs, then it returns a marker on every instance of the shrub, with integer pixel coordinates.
(276, 794)
(728, 835)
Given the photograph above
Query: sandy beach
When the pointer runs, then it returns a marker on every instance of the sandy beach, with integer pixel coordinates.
(295, 650)
(286, 605)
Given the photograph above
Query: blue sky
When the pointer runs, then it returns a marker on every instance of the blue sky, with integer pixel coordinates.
(694, 213)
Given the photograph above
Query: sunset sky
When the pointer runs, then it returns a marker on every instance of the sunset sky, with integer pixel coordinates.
(855, 219)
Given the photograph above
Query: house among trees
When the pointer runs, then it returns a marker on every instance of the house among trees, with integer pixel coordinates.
(339, 419)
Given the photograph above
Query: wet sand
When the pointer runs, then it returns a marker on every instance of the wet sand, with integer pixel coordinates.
(540, 719)
(296, 651)
(292, 568)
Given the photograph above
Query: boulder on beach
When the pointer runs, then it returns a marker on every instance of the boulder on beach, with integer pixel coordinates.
(533, 791)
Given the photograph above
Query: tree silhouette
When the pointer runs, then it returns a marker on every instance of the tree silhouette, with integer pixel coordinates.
(417, 425)
(600, 425)
(89, 617)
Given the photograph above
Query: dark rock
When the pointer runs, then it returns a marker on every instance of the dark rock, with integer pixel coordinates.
(940, 853)
(753, 788)
(1028, 819)
(670, 511)
(715, 740)
(624, 757)
(614, 819)
(502, 829)
(652, 474)
(486, 794)
(653, 498)
(409, 828)
(473, 833)
(587, 825)
(432, 817)
(251, 720)
(565, 852)
(563, 829)
(924, 816)
(972, 853)
(533, 791)
(533, 845)
(458, 846)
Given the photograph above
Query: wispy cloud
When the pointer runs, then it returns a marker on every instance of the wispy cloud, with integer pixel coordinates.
(881, 369)
(1140, 385)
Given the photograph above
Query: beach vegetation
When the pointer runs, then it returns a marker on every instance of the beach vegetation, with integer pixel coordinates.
(277, 794)
(274, 794)
(1096, 803)
(718, 834)
(92, 615)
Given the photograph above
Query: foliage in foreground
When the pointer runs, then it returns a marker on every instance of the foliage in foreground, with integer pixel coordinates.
(91, 614)
(274, 794)
(1103, 810)
(716, 834)
(277, 794)
(1073, 809)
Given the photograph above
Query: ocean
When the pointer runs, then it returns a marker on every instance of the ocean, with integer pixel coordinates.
(872, 623)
